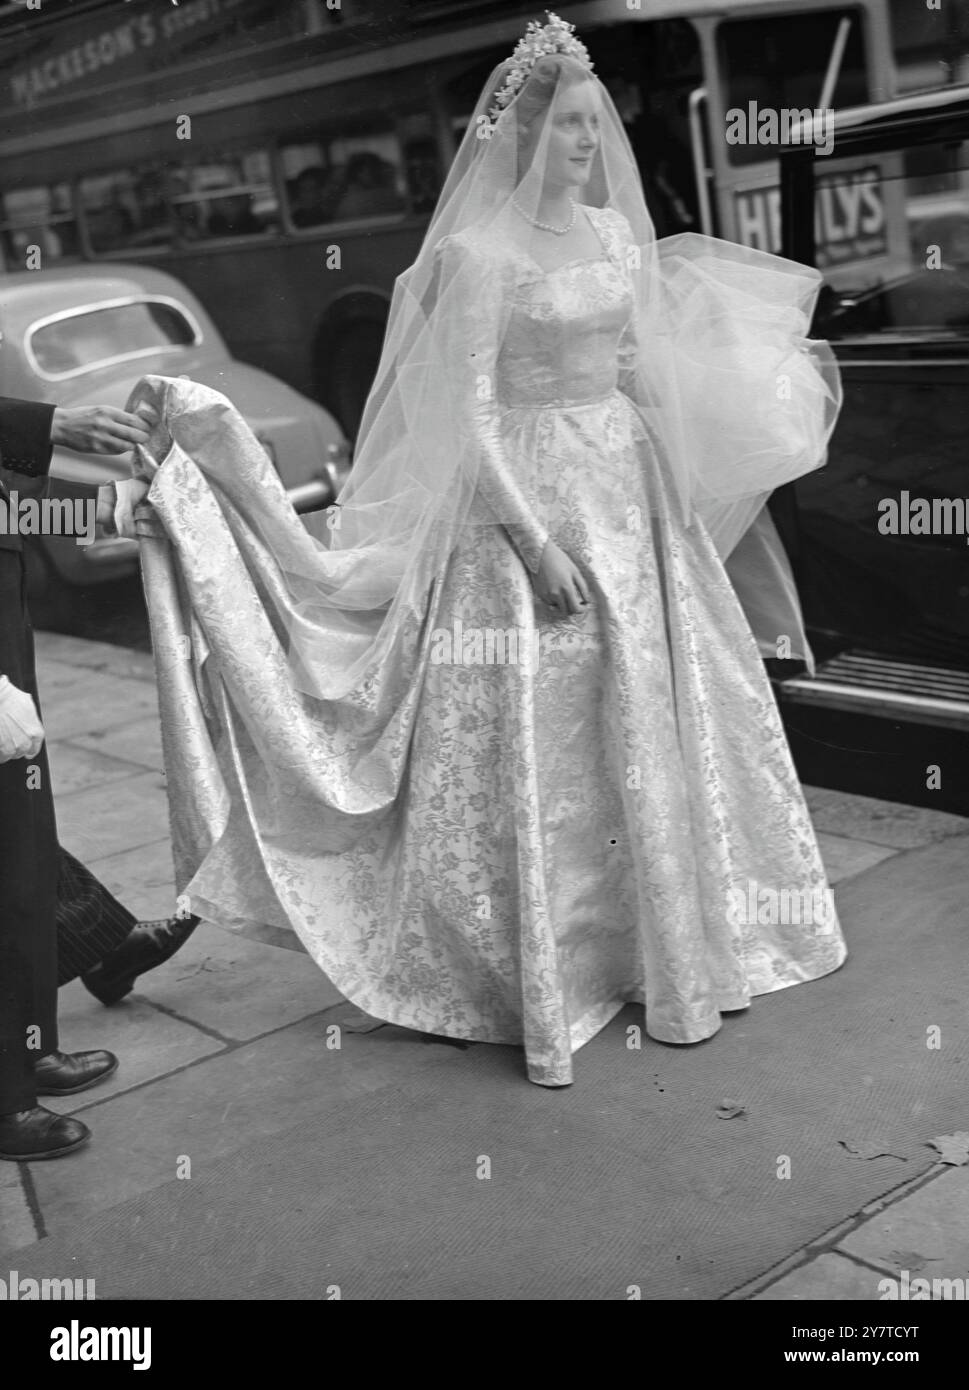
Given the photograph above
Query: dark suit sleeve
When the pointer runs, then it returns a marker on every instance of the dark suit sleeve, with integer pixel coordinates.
(25, 445)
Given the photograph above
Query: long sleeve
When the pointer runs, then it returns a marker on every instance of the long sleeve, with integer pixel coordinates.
(25, 445)
(25, 448)
(474, 348)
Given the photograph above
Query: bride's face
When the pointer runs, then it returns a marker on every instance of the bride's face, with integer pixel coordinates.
(573, 136)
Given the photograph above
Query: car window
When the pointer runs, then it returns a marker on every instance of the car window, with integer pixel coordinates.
(41, 217)
(893, 236)
(215, 196)
(80, 342)
(127, 209)
(347, 176)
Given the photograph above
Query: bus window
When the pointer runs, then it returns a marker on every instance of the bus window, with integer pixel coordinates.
(918, 208)
(779, 63)
(38, 217)
(218, 196)
(127, 209)
(423, 168)
(344, 178)
(422, 162)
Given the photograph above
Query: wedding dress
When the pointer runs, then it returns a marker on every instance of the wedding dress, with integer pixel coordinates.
(482, 820)
(559, 833)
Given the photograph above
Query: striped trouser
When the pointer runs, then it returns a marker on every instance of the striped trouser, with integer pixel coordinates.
(90, 922)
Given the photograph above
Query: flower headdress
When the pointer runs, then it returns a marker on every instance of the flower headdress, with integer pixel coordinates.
(557, 36)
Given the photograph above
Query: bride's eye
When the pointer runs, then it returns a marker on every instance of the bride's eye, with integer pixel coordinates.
(573, 119)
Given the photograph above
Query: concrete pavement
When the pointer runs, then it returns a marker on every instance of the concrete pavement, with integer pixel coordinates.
(211, 1037)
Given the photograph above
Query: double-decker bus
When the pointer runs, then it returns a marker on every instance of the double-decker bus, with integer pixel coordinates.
(282, 157)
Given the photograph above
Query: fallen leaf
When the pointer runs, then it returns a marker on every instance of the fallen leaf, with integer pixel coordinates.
(869, 1148)
(912, 1260)
(731, 1110)
(953, 1148)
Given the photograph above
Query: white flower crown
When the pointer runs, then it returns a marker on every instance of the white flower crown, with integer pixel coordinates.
(557, 36)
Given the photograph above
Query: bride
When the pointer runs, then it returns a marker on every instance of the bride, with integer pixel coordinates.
(496, 741)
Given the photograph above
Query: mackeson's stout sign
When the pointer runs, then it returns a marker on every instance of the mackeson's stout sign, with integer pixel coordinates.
(54, 61)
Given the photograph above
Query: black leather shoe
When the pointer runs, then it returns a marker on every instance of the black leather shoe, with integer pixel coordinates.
(63, 1073)
(147, 944)
(28, 1135)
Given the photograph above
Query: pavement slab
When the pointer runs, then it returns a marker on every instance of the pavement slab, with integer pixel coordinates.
(235, 987)
(222, 1103)
(91, 700)
(136, 742)
(98, 656)
(825, 1277)
(147, 1041)
(878, 822)
(843, 857)
(301, 1177)
(143, 879)
(926, 1233)
(77, 769)
(114, 816)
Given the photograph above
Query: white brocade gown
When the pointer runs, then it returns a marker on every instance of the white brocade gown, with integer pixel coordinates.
(617, 821)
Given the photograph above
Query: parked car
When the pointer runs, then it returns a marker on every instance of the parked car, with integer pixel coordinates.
(84, 336)
(879, 538)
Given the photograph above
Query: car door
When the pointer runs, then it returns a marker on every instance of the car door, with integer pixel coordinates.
(880, 536)
(883, 525)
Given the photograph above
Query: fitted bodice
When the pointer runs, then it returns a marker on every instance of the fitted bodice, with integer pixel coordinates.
(561, 344)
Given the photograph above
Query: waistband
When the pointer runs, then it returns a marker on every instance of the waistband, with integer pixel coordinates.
(559, 402)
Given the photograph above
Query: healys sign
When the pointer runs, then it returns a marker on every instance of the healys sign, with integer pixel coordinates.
(850, 217)
(48, 62)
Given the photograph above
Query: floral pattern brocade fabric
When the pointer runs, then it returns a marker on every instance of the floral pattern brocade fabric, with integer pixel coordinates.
(598, 819)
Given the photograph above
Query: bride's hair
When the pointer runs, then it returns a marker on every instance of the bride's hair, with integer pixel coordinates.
(550, 76)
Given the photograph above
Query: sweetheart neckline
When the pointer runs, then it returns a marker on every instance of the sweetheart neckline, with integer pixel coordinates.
(603, 255)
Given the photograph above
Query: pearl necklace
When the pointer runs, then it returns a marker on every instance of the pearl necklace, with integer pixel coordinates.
(547, 226)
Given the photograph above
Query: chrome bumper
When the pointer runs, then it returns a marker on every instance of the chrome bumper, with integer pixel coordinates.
(309, 497)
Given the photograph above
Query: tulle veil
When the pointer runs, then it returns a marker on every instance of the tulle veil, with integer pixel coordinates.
(737, 398)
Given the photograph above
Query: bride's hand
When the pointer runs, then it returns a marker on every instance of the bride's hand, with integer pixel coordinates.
(560, 584)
